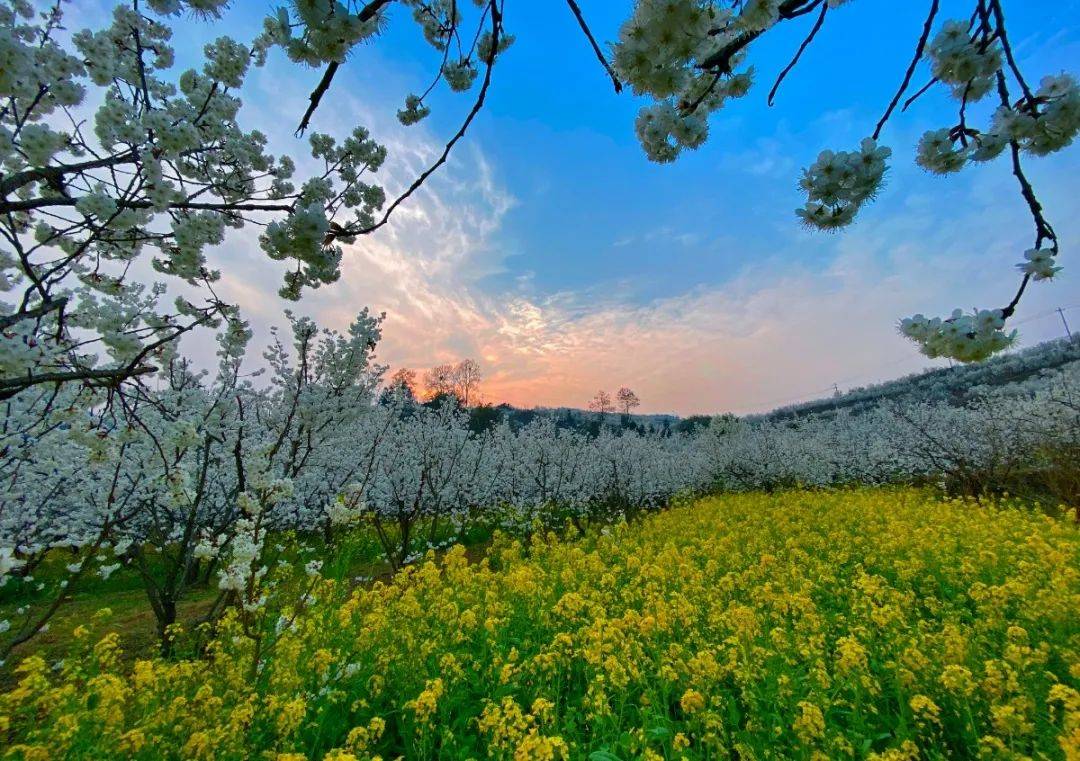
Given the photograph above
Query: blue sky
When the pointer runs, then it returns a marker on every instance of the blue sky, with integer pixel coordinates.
(553, 252)
(593, 209)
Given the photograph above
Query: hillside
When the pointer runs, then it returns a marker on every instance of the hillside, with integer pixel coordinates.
(949, 385)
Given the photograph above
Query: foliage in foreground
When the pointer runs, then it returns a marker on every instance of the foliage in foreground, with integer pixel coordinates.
(801, 624)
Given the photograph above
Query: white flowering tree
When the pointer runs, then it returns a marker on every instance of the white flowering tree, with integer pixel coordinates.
(116, 169)
(186, 478)
(107, 156)
(992, 439)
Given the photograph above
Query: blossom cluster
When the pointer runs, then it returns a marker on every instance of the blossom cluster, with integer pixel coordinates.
(839, 183)
(965, 63)
(659, 51)
(1048, 122)
(967, 337)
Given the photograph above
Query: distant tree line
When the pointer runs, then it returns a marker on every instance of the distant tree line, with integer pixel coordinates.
(459, 385)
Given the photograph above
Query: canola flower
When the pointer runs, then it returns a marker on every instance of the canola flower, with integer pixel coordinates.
(884, 624)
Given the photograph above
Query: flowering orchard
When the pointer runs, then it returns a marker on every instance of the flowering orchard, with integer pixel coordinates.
(195, 479)
(1002, 438)
(194, 483)
(861, 624)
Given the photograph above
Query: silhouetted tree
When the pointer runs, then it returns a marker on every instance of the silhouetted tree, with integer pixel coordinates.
(439, 381)
(467, 377)
(462, 380)
(601, 403)
(403, 382)
(626, 400)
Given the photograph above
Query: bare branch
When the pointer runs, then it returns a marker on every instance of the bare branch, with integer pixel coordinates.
(999, 21)
(596, 48)
(919, 49)
(41, 310)
(316, 96)
(9, 387)
(53, 174)
(802, 48)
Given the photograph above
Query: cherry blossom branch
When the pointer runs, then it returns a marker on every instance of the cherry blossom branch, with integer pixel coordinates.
(366, 13)
(721, 59)
(595, 46)
(496, 32)
(919, 49)
(802, 48)
(40, 203)
(1043, 230)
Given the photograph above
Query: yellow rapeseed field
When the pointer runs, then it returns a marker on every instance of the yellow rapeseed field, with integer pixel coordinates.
(881, 624)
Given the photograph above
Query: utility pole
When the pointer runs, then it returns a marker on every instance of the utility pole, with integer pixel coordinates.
(1064, 322)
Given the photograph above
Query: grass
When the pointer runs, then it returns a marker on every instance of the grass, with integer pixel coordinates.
(124, 596)
(884, 624)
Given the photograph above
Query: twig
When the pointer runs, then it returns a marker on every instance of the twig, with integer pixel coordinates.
(919, 93)
(999, 20)
(366, 13)
(596, 48)
(910, 70)
(802, 48)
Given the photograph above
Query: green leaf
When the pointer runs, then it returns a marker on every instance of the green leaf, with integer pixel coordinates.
(658, 733)
(603, 755)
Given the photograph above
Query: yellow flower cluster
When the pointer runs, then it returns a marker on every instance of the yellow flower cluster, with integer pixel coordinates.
(885, 624)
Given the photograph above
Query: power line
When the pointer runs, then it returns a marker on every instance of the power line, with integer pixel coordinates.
(1048, 313)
